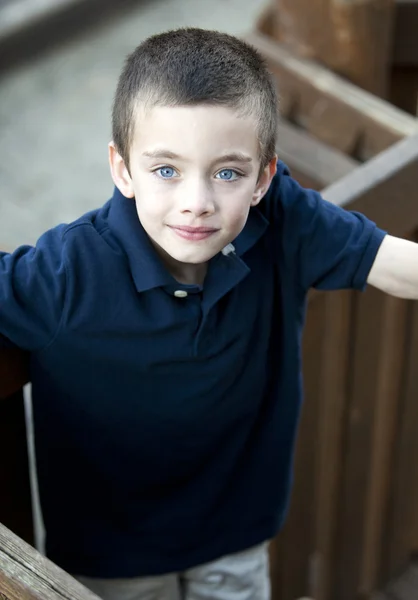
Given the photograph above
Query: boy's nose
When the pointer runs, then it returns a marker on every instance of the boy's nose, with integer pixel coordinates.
(198, 200)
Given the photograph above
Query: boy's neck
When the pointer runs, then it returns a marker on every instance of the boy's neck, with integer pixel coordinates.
(188, 274)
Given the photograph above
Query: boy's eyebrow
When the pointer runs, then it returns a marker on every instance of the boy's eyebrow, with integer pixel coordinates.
(230, 157)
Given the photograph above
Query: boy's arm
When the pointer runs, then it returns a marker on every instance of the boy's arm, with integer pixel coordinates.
(395, 268)
(32, 292)
(322, 245)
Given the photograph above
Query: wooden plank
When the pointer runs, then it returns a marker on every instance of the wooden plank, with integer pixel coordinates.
(358, 433)
(384, 188)
(26, 575)
(294, 546)
(14, 371)
(405, 48)
(402, 537)
(333, 110)
(389, 388)
(353, 38)
(376, 385)
(317, 163)
(334, 380)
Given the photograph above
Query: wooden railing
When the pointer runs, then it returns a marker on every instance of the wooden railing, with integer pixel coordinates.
(353, 522)
(26, 575)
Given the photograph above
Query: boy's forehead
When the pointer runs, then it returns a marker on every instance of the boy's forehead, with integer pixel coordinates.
(161, 123)
(180, 129)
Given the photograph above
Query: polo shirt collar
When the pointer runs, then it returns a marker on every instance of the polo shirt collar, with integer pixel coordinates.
(148, 271)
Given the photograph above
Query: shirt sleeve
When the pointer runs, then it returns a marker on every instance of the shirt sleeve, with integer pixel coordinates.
(32, 292)
(329, 247)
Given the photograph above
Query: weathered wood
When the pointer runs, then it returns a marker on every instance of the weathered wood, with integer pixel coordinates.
(353, 37)
(330, 428)
(333, 110)
(385, 188)
(354, 356)
(378, 354)
(402, 535)
(388, 390)
(296, 541)
(26, 575)
(313, 163)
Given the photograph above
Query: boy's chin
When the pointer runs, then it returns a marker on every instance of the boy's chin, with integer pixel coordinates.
(193, 258)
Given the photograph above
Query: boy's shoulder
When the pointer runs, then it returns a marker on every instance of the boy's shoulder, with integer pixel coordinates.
(87, 231)
(92, 222)
(285, 195)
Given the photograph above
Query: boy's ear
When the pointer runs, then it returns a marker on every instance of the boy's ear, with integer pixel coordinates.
(120, 173)
(264, 181)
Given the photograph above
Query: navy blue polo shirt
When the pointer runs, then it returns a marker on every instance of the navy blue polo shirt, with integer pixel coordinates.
(165, 422)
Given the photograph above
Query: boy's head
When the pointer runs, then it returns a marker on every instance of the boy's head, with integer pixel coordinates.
(194, 133)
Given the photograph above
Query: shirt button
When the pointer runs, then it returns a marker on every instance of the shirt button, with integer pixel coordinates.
(181, 294)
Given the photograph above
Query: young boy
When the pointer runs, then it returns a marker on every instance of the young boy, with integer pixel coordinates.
(164, 330)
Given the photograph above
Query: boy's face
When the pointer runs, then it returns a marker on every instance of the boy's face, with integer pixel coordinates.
(194, 174)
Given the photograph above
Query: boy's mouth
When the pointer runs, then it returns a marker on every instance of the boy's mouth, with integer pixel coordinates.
(193, 233)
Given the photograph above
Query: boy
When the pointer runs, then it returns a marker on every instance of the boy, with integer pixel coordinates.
(164, 330)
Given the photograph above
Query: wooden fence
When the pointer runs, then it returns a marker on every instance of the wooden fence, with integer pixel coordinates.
(353, 522)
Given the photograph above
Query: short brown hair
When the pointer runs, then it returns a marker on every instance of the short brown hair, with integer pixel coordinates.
(191, 66)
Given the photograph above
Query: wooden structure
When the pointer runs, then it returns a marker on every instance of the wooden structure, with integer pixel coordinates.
(353, 524)
(370, 42)
(338, 34)
(26, 575)
(353, 521)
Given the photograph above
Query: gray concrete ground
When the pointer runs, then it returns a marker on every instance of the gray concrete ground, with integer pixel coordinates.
(55, 113)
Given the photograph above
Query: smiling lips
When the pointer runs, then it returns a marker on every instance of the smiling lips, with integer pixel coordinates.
(193, 233)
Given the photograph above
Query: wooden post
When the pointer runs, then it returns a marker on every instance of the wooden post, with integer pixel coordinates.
(351, 37)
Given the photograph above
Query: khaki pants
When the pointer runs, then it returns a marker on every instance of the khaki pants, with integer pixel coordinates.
(242, 576)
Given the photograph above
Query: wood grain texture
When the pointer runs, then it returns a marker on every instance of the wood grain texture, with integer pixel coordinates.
(351, 37)
(26, 575)
(330, 108)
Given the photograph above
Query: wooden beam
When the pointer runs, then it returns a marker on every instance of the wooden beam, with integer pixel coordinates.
(26, 575)
(333, 110)
(384, 188)
(316, 163)
(353, 38)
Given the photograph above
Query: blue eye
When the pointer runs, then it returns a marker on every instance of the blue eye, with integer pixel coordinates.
(228, 175)
(165, 172)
